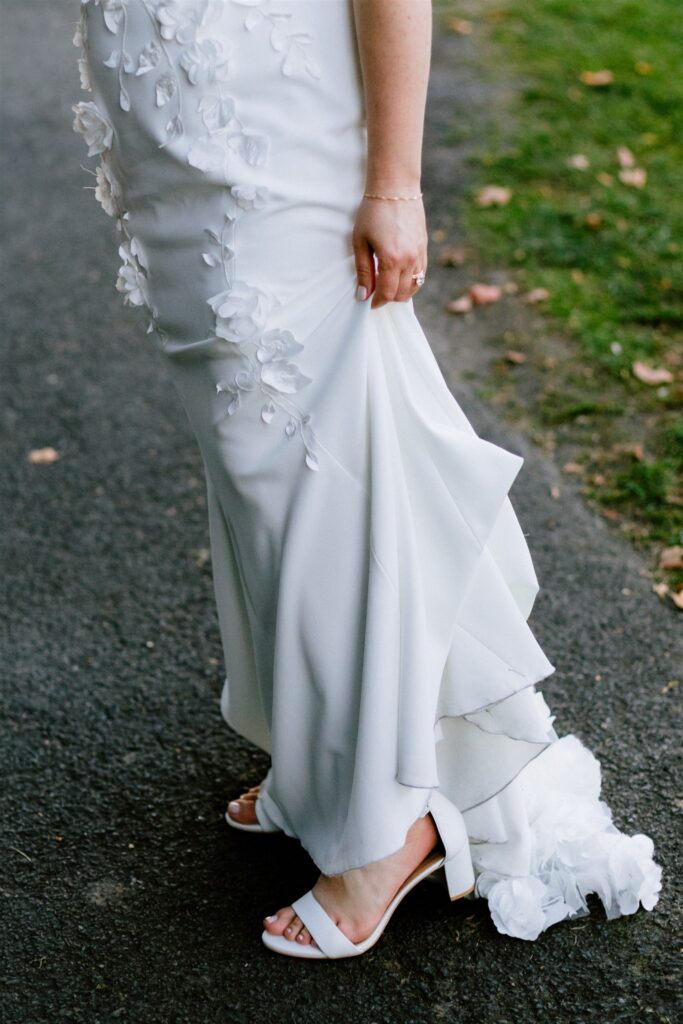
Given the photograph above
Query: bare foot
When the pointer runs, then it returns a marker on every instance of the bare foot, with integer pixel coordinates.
(243, 809)
(356, 900)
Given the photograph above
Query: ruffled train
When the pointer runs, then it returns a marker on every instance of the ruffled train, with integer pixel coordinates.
(457, 585)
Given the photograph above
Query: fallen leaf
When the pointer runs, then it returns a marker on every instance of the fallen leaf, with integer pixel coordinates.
(671, 558)
(605, 179)
(625, 157)
(610, 513)
(493, 195)
(573, 468)
(597, 78)
(578, 161)
(555, 491)
(485, 294)
(634, 176)
(42, 456)
(536, 295)
(452, 256)
(671, 685)
(650, 375)
(461, 305)
(461, 26)
(677, 598)
(643, 68)
(438, 235)
(513, 356)
(510, 287)
(597, 479)
(593, 221)
(660, 589)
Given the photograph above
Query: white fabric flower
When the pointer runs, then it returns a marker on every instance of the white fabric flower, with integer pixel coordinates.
(132, 282)
(95, 128)
(633, 876)
(112, 11)
(107, 191)
(251, 147)
(516, 906)
(181, 19)
(84, 72)
(241, 312)
(148, 58)
(250, 197)
(204, 64)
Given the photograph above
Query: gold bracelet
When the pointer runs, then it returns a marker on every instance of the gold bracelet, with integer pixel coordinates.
(372, 195)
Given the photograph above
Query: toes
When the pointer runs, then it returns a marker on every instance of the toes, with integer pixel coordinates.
(244, 811)
(304, 937)
(293, 928)
(282, 920)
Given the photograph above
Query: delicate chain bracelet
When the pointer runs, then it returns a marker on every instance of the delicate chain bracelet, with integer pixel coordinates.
(372, 195)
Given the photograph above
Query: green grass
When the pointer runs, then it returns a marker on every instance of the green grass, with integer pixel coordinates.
(610, 254)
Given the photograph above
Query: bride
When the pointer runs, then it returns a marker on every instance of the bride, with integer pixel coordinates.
(262, 161)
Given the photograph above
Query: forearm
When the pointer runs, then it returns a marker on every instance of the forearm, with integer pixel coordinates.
(394, 42)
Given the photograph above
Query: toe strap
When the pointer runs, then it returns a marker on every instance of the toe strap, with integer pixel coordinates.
(331, 940)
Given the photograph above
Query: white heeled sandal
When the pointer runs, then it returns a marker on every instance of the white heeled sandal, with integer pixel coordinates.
(333, 944)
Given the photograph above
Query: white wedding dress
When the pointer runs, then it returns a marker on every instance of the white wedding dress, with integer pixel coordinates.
(372, 580)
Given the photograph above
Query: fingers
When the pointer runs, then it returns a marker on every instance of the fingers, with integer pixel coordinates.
(395, 281)
(365, 270)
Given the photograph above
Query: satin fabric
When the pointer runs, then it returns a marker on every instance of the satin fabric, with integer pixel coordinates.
(372, 580)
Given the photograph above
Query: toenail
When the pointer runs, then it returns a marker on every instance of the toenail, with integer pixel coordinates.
(299, 937)
(234, 806)
(273, 917)
(289, 928)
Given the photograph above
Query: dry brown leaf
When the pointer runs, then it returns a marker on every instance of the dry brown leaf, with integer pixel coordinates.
(513, 356)
(625, 157)
(605, 179)
(578, 161)
(42, 456)
(610, 513)
(597, 78)
(461, 26)
(671, 685)
(555, 491)
(510, 287)
(461, 305)
(643, 68)
(452, 256)
(650, 375)
(597, 479)
(671, 558)
(536, 295)
(493, 195)
(485, 294)
(438, 235)
(661, 589)
(593, 221)
(677, 598)
(634, 176)
(573, 468)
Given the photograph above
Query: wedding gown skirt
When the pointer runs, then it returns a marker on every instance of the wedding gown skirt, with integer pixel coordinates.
(372, 580)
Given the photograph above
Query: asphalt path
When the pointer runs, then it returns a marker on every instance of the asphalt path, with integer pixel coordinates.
(125, 897)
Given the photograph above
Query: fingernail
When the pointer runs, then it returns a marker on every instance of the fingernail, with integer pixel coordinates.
(361, 293)
(273, 917)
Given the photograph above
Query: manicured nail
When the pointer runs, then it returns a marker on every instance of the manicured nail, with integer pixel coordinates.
(361, 293)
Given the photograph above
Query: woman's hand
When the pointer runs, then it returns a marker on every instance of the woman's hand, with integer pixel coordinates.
(395, 232)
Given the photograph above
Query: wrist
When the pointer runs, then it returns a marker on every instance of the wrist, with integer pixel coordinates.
(393, 184)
